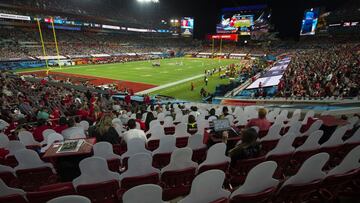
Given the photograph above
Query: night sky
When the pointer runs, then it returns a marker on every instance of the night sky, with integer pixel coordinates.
(286, 14)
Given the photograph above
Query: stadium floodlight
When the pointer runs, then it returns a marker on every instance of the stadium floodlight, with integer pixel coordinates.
(148, 1)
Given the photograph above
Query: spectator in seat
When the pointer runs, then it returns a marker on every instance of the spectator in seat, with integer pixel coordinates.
(105, 132)
(225, 112)
(62, 125)
(133, 132)
(73, 132)
(149, 117)
(191, 126)
(41, 126)
(248, 148)
(212, 115)
(261, 121)
(142, 123)
(43, 114)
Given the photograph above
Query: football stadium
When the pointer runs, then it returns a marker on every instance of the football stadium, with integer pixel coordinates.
(154, 101)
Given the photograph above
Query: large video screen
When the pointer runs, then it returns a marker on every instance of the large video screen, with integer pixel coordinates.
(235, 24)
(251, 20)
(309, 21)
(187, 26)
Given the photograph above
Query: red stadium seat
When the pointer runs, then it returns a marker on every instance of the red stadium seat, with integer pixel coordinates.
(268, 145)
(221, 166)
(114, 164)
(152, 145)
(297, 160)
(241, 169)
(161, 160)
(10, 161)
(104, 192)
(13, 199)
(169, 130)
(307, 192)
(119, 149)
(181, 141)
(32, 179)
(45, 194)
(263, 196)
(283, 161)
(130, 182)
(9, 179)
(177, 183)
(199, 155)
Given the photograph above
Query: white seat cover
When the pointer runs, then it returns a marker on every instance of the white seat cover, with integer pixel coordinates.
(295, 127)
(4, 140)
(4, 168)
(284, 146)
(284, 114)
(314, 127)
(241, 120)
(138, 165)
(273, 133)
(161, 116)
(352, 121)
(134, 146)
(85, 125)
(295, 116)
(216, 155)
(180, 159)
(336, 137)
(167, 144)
(178, 117)
(73, 133)
(168, 122)
(27, 138)
(5, 190)
(29, 159)
(207, 187)
(14, 146)
(311, 170)
(355, 138)
(46, 134)
(150, 193)
(258, 179)
(117, 121)
(94, 170)
(185, 119)
(350, 162)
(104, 150)
(230, 118)
(311, 142)
(119, 129)
(156, 132)
(154, 123)
(309, 114)
(181, 130)
(196, 142)
(53, 137)
(70, 199)
(280, 120)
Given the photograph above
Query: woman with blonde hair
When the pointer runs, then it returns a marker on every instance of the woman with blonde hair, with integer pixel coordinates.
(104, 131)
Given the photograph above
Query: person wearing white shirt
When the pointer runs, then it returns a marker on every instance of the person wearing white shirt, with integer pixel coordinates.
(133, 132)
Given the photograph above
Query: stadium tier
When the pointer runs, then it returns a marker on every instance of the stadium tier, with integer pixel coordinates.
(123, 102)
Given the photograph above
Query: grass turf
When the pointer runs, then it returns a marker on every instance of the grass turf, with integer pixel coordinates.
(142, 71)
(169, 71)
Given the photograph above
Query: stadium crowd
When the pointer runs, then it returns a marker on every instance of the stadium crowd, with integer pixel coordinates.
(333, 71)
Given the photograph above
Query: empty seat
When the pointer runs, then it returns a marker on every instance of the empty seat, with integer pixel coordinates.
(207, 187)
(105, 150)
(8, 175)
(156, 132)
(177, 177)
(96, 181)
(134, 146)
(8, 194)
(4, 140)
(259, 185)
(241, 169)
(181, 130)
(27, 139)
(306, 181)
(139, 171)
(161, 155)
(216, 159)
(46, 134)
(150, 193)
(47, 193)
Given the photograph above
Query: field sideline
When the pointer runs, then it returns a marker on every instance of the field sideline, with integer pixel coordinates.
(170, 71)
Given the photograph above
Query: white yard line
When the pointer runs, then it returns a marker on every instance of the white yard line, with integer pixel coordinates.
(170, 84)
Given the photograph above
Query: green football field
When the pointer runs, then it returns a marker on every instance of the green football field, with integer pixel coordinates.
(171, 70)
